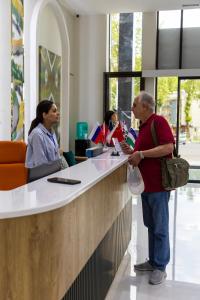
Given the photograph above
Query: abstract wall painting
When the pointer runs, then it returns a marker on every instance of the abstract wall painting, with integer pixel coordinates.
(17, 70)
(50, 79)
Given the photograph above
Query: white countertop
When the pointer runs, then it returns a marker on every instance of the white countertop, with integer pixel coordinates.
(42, 196)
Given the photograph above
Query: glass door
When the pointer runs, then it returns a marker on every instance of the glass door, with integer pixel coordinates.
(178, 100)
(166, 100)
(189, 124)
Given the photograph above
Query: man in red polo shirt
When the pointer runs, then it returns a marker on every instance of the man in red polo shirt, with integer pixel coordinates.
(154, 198)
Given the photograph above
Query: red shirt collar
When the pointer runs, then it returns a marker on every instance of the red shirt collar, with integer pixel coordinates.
(148, 120)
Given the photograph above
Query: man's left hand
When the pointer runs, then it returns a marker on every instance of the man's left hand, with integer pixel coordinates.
(134, 159)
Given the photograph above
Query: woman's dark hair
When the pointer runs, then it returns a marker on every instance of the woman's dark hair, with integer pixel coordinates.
(108, 116)
(43, 107)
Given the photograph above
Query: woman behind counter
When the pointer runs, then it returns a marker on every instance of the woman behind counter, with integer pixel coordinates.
(42, 143)
(113, 128)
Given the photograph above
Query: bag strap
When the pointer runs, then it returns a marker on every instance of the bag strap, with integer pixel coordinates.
(155, 140)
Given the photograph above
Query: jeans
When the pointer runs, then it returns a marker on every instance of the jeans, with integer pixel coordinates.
(156, 219)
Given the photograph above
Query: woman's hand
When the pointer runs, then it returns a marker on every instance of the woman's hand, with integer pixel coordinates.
(126, 148)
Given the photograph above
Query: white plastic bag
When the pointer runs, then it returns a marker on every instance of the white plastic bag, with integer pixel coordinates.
(134, 180)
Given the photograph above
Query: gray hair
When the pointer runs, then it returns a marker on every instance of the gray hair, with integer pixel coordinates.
(147, 99)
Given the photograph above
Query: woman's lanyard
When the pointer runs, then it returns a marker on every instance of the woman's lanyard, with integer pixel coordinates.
(51, 138)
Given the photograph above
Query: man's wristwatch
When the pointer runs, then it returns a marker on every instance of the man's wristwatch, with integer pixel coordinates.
(141, 154)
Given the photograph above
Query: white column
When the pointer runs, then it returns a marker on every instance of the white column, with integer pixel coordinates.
(29, 112)
(5, 70)
(91, 65)
(149, 30)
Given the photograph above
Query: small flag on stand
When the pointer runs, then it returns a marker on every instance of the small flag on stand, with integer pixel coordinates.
(124, 129)
(131, 137)
(116, 132)
(97, 135)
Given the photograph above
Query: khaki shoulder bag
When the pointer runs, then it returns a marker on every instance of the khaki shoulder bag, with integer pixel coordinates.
(175, 171)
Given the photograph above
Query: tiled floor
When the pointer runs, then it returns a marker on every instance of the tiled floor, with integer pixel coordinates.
(183, 271)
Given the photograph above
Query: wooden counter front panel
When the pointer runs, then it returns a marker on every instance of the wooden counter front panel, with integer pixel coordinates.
(41, 255)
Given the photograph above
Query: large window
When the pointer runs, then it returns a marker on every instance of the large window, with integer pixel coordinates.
(191, 41)
(123, 81)
(178, 98)
(191, 18)
(169, 23)
(178, 39)
(125, 42)
(169, 19)
(120, 90)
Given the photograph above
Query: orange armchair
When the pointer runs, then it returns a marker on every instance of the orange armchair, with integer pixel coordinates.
(12, 165)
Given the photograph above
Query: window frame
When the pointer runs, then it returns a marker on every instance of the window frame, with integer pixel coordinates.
(106, 85)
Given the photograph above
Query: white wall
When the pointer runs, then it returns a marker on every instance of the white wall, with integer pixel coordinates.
(90, 65)
(87, 35)
(73, 100)
(150, 85)
(87, 41)
(28, 11)
(45, 14)
(149, 29)
(48, 34)
(5, 70)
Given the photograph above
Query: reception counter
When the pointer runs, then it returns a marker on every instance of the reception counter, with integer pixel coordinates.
(65, 241)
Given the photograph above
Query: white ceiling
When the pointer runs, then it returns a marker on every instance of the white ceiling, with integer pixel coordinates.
(113, 6)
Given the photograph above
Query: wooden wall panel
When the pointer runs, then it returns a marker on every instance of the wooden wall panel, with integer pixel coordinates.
(41, 255)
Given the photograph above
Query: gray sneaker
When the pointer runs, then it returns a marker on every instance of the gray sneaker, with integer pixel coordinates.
(157, 277)
(144, 267)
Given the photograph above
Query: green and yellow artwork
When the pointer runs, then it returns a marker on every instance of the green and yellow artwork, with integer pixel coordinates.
(49, 79)
(17, 12)
(17, 112)
(17, 62)
(17, 70)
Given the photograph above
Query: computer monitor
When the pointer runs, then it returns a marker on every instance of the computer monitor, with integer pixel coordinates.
(44, 170)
